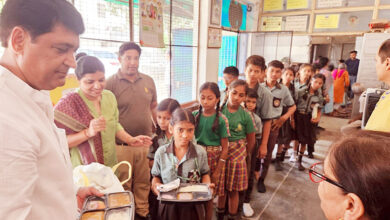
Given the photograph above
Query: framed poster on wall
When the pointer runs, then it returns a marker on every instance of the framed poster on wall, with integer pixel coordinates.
(214, 38)
(296, 4)
(216, 11)
(151, 23)
(271, 24)
(273, 5)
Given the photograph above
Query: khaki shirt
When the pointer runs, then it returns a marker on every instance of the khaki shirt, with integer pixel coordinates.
(134, 101)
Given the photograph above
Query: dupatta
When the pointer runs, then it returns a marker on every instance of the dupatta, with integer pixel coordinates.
(337, 73)
(72, 114)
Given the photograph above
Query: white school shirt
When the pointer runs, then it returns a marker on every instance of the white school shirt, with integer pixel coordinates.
(35, 169)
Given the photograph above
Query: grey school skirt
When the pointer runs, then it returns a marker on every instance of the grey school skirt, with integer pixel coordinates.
(182, 211)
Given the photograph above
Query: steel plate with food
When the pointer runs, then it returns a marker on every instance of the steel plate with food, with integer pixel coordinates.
(187, 192)
(112, 206)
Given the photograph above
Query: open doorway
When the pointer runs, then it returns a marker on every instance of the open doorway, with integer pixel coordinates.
(336, 48)
(320, 50)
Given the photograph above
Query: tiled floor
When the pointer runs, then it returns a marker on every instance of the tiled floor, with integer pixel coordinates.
(290, 193)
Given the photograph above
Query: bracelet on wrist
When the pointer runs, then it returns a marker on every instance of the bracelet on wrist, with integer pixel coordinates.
(222, 160)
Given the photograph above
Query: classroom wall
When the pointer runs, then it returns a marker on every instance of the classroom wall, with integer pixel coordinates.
(208, 57)
(351, 24)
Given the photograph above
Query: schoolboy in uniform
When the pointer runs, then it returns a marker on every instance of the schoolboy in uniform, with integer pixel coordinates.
(230, 74)
(281, 97)
(255, 73)
(250, 104)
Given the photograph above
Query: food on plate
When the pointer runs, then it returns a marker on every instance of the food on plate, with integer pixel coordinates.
(96, 215)
(185, 196)
(194, 188)
(118, 214)
(168, 196)
(118, 199)
(95, 204)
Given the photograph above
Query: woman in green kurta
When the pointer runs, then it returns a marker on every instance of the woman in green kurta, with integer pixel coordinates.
(90, 118)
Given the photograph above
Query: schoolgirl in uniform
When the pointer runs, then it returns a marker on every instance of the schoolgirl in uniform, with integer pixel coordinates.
(212, 132)
(306, 72)
(184, 160)
(241, 140)
(301, 82)
(162, 137)
(287, 131)
(309, 106)
(303, 76)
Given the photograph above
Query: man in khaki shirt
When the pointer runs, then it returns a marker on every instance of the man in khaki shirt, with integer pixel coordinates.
(137, 100)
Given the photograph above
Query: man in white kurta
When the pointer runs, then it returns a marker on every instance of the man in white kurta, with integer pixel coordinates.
(40, 38)
(35, 169)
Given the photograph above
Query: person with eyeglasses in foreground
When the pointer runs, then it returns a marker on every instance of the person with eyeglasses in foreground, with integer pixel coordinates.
(355, 177)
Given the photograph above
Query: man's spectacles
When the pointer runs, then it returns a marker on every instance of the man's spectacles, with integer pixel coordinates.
(316, 173)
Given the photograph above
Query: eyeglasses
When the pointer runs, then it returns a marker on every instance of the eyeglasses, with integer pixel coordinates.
(316, 175)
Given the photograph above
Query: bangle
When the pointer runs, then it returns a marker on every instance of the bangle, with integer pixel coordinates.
(86, 133)
(222, 160)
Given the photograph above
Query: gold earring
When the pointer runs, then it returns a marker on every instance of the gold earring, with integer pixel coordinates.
(341, 219)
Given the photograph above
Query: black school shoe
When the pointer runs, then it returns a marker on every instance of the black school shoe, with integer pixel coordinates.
(301, 167)
(232, 217)
(278, 165)
(138, 217)
(220, 213)
(261, 186)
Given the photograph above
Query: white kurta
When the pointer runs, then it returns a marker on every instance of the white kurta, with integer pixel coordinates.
(35, 169)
